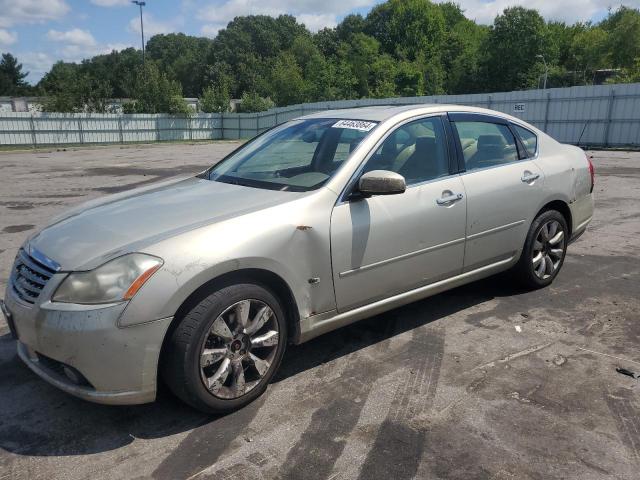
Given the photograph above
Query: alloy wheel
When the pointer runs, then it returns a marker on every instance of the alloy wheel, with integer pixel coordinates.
(548, 249)
(239, 348)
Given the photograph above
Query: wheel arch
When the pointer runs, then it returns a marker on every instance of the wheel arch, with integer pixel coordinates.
(562, 207)
(262, 277)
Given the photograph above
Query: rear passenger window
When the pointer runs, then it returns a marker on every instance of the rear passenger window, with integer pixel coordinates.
(529, 140)
(486, 144)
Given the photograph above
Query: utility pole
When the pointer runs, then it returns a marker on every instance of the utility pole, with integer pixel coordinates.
(546, 70)
(141, 4)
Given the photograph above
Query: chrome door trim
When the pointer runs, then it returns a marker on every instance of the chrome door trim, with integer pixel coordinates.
(495, 230)
(369, 266)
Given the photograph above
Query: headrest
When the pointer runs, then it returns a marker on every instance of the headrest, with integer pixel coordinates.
(425, 143)
(491, 141)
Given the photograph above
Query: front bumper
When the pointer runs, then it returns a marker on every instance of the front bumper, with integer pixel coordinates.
(116, 365)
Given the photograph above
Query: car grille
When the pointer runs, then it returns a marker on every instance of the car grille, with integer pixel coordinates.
(29, 277)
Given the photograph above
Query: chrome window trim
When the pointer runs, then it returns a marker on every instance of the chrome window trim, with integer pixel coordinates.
(520, 160)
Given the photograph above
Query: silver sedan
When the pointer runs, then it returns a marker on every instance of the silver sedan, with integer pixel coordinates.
(312, 225)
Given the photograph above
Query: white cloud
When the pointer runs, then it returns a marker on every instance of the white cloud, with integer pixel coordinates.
(73, 37)
(76, 45)
(152, 26)
(484, 11)
(7, 37)
(111, 3)
(313, 13)
(31, 11)
(317, 22)
(36, 63)
(210, 30)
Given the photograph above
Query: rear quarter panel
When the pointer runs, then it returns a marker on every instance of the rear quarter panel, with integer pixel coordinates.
(567, 178)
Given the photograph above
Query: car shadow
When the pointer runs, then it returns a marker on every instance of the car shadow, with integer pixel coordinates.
(39, 420)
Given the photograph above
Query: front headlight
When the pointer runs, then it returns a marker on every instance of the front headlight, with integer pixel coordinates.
(115, 281)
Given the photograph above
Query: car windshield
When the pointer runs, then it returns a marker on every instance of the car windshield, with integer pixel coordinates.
(298, 156)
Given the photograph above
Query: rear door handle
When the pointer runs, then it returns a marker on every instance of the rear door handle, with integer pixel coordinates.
(449, 199)
(528, 177)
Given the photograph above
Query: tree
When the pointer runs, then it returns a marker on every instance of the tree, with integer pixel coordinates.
(154, 92)
(215, 99)
(623, 32)
(511, 48)
(182, 58)
(286, 81)
(249, 46)
(69, 89)
(350, 25)
(12, 78)
(401, 47)
(589, 48)
(408, 29)
(251, 102)
(360, 53)
(461, 51)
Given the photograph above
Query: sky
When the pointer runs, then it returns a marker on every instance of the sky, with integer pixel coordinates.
(40, 32)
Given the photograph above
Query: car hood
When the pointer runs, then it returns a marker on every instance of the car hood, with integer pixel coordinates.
(100, 230)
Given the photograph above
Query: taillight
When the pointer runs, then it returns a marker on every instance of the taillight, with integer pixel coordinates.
(592, 172)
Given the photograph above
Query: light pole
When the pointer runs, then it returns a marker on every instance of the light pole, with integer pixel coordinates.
(546, 70)
(141, 4)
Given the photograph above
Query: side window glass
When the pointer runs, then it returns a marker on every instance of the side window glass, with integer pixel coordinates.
(417, 151)
(529, 140)
(486, 144)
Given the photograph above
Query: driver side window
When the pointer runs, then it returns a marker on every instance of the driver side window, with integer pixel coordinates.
(416, 150)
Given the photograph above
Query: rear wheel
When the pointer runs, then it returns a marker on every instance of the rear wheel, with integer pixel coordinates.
(224, 352)
(544, 250)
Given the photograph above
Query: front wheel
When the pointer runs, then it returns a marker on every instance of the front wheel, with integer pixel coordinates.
(544, 250)
(224, 352)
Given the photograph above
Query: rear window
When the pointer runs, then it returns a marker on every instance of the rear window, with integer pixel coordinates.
(529, 139)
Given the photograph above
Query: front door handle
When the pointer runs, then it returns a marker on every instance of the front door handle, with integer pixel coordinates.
(449, 199)
(528, 177)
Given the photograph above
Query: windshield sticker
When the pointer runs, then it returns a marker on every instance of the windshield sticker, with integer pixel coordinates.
(355, 125)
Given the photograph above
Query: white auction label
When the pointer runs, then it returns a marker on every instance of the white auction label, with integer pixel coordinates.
(355, 125)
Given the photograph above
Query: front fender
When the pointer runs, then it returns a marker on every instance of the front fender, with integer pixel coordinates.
(291, 242)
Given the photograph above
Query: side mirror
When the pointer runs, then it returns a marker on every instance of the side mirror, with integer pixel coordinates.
(381, 182)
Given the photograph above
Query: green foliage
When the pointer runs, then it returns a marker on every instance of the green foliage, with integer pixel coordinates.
(252, 102)
(154, 92)
(517, 37)
(401, 48)
(69, 89)
(623, 37)
(12, 77)
(216, 97)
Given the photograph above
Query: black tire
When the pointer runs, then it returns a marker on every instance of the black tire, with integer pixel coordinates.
(181, 361)
(524, 271)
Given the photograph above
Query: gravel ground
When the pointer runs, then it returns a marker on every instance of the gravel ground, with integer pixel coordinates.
(484, 381)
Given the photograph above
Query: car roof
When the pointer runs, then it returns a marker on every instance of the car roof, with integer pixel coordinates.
(380, 113)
